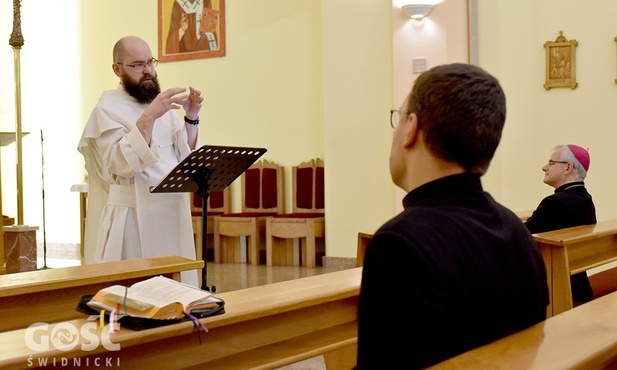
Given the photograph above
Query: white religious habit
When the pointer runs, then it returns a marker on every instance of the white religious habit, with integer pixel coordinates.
(125, 219)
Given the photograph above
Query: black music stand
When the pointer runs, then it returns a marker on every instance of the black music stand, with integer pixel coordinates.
(209, 168)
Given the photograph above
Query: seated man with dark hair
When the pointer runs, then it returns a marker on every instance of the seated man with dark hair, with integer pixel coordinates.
(455, 269)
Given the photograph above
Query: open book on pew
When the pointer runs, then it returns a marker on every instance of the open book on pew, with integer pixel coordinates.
(158, 298)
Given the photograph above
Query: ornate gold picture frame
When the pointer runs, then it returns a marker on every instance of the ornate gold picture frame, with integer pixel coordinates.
(191, 29)
(560, 63)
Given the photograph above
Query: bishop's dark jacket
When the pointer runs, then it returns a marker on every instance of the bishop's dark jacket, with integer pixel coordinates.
(570, 205)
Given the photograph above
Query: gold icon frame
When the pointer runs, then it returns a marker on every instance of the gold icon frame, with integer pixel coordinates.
(560, 63)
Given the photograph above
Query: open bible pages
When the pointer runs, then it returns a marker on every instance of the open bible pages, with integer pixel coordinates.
(158, 298)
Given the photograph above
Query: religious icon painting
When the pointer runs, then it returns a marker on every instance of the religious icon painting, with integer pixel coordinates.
(191, 29)
(560, 63)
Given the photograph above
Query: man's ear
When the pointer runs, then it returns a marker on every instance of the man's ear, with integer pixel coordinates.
(411, 131)
(116, 68)
(569, 168)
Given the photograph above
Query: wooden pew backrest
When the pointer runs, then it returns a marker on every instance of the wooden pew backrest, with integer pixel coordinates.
(52, 295)
(581, 338)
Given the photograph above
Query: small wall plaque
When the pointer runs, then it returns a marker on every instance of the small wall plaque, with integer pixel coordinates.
(560, 63)
(616, 78)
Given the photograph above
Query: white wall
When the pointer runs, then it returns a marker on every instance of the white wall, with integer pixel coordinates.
(440, 38)
(357, 97)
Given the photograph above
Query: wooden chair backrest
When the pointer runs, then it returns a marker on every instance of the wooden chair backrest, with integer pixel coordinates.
(219, 202)
(262, 188)
(308, 185)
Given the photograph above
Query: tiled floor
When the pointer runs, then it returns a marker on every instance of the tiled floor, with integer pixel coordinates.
(233, 276)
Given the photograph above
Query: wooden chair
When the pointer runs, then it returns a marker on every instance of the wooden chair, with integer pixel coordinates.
(306, 222)
(219, 202)
(262, 196)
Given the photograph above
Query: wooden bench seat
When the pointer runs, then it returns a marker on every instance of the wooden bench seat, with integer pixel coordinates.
(263, 327)
(52, 295)
(584, 337)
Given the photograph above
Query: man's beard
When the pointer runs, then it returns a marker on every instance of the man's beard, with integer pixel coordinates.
(145, 90)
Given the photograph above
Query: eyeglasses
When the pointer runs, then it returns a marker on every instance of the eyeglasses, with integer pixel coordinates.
(552, 162)
(139, 67)
(395, 117)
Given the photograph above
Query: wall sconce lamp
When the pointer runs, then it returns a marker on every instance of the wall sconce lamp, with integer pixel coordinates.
(417, 11)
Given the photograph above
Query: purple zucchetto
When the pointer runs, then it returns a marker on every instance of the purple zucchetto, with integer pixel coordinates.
(581, 155)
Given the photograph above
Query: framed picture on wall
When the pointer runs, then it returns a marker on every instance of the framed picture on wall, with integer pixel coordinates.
(615, 41)
(560, 63)
(191, 29)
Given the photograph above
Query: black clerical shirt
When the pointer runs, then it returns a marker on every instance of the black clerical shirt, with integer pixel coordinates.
(453, 271)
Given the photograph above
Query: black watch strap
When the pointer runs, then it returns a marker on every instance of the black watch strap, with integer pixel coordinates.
(191, 121)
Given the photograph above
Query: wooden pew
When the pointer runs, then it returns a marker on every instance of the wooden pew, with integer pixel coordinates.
(584, 337)
(267, 327)
(573, 250)
(523, 215)
(363, 239)
(52, 295)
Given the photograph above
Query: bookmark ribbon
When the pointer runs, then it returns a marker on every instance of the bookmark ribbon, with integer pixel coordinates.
(197, 322)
